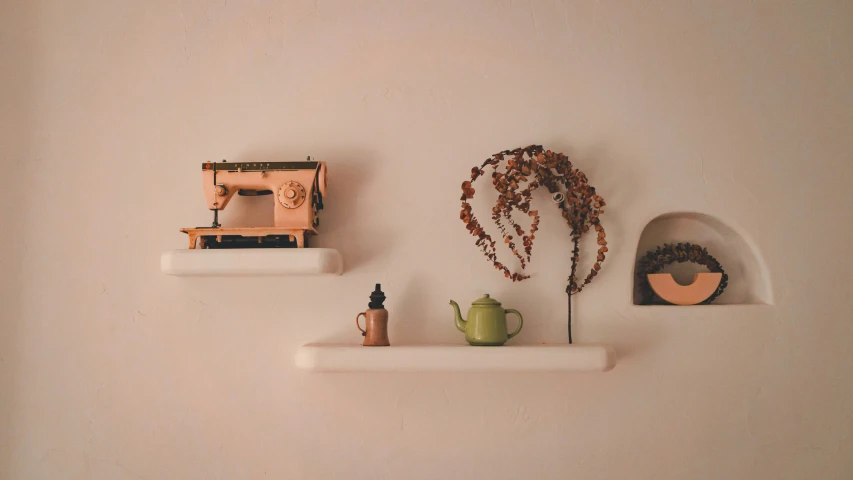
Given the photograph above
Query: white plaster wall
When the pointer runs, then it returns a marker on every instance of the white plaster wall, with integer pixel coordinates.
(15, 82)
(111, 370)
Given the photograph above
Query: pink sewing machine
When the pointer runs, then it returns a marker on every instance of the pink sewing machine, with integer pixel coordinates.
(298, 187)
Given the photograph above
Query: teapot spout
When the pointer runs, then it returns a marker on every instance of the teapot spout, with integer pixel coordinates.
(460, 323)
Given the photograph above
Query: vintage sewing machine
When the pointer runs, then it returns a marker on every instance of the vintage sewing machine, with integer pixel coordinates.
(298, 187)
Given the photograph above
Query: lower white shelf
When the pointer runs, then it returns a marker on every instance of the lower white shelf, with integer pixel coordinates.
(252, 261)
(455, 358)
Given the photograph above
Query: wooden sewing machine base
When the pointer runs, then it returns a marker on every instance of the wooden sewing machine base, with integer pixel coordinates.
(246, 237)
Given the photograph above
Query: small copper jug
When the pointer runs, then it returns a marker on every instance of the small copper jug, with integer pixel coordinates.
(375, 321)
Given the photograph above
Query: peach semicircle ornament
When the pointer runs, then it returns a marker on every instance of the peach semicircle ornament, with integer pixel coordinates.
(704, 285)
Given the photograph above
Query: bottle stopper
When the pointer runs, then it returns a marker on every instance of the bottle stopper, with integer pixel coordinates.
(377, 298)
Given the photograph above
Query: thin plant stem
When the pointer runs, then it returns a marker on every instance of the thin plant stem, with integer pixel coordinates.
(569, 293)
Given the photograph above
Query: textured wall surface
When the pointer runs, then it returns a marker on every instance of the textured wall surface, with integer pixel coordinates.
(111, 370)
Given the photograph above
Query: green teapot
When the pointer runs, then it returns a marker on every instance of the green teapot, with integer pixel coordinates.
(486, 324)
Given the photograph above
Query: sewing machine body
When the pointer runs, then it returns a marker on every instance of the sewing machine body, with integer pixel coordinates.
(298, 189)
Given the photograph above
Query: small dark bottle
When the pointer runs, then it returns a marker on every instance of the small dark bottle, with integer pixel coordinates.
(375, 331)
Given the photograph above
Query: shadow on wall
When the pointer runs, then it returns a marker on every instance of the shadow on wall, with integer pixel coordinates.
(749, 281)
(17, 26)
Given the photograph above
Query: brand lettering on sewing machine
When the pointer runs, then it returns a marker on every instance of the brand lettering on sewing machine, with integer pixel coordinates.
(258, 166)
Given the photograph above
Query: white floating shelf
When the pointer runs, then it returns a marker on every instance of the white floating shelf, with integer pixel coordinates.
(455, 358)
(252, 261)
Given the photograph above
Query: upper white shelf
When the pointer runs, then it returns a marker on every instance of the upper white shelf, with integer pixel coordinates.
(455, 358)
(252, 261)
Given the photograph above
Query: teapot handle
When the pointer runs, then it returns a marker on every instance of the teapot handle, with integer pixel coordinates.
(520, 321)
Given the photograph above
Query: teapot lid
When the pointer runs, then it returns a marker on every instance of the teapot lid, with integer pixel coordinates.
(486, 301)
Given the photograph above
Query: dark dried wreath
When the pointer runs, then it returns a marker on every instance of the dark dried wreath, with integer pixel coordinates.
(654, 261)
(525, 170)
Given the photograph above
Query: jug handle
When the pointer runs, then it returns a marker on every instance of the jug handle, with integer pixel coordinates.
(520, 321)
(363, 333)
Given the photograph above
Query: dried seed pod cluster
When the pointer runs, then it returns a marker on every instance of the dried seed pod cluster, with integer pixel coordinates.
(654, 261)
(516, 174)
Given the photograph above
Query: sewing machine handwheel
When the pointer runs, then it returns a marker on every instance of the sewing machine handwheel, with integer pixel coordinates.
(291, 194)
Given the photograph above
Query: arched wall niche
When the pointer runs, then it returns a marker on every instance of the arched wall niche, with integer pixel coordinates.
(749, 281)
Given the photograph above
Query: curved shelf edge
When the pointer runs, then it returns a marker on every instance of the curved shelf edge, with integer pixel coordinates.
(710, 306)
(455, 358)
(252, 262)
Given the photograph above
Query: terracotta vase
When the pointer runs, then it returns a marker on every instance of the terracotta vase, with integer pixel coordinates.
(375, 327)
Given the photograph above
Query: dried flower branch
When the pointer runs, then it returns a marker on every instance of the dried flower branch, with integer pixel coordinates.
(654, 261)
(525, 170)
